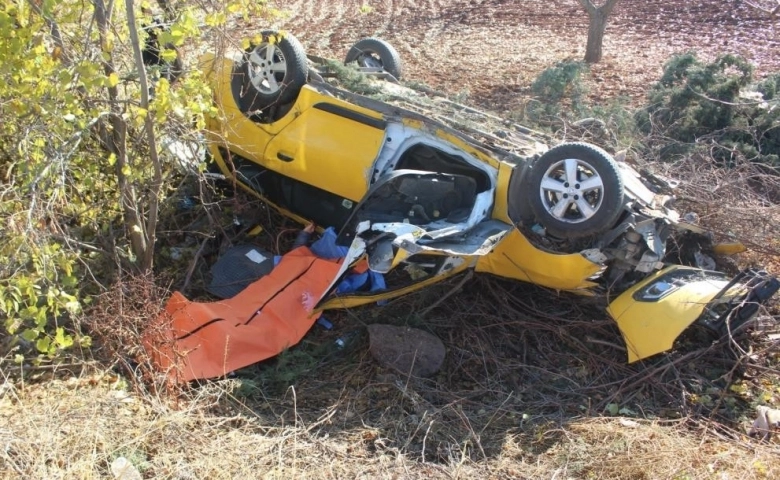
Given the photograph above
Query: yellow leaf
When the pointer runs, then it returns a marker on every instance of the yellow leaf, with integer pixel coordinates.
(112, 159)
(140, 116)
(113, 80)
(108, 45)
(169, 55)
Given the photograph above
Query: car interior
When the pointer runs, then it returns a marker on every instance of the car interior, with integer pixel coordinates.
(427, 158)
(421, 198)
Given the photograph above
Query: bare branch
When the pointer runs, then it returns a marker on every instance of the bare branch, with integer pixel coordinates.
(771, 11)
(588, 6)
(592, 9)
(156, 185)
(54, 29)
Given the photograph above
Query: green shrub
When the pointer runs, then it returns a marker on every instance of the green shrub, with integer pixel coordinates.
(81, 163)
(556, 90)
(769, 87)
(716, 106)
(560, 82)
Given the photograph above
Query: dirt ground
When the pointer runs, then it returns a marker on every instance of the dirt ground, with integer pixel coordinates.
(491, 50)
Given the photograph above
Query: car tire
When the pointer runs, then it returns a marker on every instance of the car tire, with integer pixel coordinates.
(375, 52)
(576, 190)
(272, 72)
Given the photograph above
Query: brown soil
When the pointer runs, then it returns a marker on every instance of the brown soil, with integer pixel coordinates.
(491, 50)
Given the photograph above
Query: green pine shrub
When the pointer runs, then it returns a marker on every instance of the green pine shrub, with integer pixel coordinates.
(715, 106)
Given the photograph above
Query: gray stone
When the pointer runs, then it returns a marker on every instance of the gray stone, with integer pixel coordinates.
(407, 350)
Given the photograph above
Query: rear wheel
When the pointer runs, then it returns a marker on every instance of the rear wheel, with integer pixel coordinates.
(272, 72)
(377, 53)
(576, 190)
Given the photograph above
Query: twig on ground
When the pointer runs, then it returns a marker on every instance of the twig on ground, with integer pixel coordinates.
(447, 295)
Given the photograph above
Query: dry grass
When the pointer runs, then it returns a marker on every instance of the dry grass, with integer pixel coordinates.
(75, 428)
(739, 203)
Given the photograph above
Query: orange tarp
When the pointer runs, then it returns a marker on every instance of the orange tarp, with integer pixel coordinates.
(193, 340)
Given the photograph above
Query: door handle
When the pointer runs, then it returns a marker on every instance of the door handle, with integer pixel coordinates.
(284, 157)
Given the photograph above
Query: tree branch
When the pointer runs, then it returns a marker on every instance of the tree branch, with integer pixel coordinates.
(54, 29)
(117, 141)
(604, 9)
(588, 6)
(772, 12)
(156, 185)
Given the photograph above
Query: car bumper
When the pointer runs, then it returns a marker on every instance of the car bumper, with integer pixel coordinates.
(653, 313)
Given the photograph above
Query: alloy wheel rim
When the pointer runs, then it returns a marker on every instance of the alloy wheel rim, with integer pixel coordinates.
(267, 68)
(572, 191)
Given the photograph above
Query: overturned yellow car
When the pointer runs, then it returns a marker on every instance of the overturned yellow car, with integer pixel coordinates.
(424, 188)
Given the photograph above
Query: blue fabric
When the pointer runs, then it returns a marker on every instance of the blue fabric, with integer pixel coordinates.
(325, 246)
(352, 282)
(301, 239)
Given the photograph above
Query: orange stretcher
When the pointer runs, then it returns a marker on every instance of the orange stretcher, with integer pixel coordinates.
(194, 340)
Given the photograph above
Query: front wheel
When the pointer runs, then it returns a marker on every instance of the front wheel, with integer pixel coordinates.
(377, 53)
(272, 71)
(576, 190)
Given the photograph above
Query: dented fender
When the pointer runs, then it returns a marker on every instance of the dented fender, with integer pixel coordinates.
(515, 257)
(653, 313)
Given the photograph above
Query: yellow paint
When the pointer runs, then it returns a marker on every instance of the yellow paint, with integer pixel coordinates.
(728, 248)
(315, 140)
(515, 257)
(649, 328)
(473, 151)
(349, 301)
(311, 137)
(500, 205)
(283, 211)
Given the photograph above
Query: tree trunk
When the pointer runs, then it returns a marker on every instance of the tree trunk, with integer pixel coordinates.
(156, 184)
(594, 50)
(117, 143)
(598, 24)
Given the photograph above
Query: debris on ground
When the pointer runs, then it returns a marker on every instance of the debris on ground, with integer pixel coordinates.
(766, 423)
(123, 469)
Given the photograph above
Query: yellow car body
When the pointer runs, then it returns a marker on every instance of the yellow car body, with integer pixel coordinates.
(330, 150)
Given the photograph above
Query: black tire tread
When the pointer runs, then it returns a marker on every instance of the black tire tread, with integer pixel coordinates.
(388, 55)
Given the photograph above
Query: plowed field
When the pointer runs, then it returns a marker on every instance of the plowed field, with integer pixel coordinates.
(491, 50)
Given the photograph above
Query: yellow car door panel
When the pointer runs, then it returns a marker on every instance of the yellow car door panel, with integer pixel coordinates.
(330, 144)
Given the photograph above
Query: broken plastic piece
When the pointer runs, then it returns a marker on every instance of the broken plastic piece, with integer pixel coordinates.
(324, 323)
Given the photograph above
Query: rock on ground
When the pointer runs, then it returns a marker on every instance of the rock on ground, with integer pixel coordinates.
(408, 350)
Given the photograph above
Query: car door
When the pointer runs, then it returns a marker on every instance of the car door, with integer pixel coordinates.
(331, 145)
